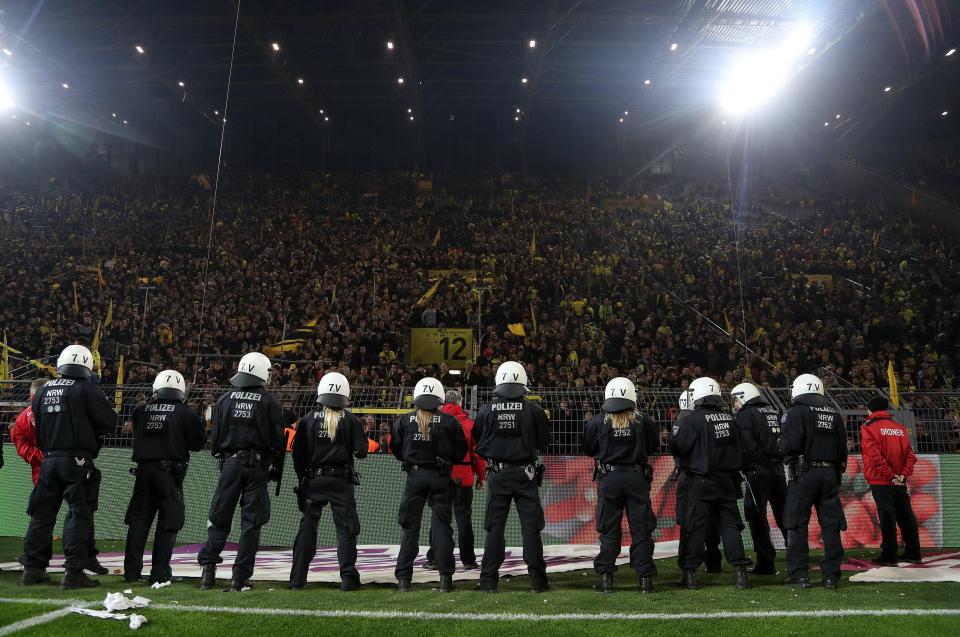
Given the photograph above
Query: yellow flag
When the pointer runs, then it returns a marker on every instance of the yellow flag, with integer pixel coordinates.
(76, 300)
(533, 317)
(50, 369)
(5, 359)
(892, 380)
(118, 395)
(726, 319)
(533, 245)
(516, 329)
(436, 238)
(95, 347)
(100, 280)
(109, 318)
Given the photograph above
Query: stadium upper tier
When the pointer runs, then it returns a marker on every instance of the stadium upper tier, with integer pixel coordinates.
(644, 286)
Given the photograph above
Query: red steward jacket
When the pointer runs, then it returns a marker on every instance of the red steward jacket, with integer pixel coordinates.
(23, 435)
(472, 464)
(885, 444)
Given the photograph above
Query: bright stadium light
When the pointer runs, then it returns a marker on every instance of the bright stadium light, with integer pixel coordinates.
(758, 75)
(390, 45)
(532, 44)
(646, 82)
(139, 49)
(887, 89)
(523, 80)
(826, 123)
(300, 81)
(673, 46)
(6, 51)
(626, 112)
(326, 119)
(944, 113)
(400, 80)
(114, 115)
(949, 53)
(180, 84)
(275, 46)
(837, 116)
(65, 85)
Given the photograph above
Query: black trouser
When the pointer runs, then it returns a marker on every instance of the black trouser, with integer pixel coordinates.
(157, 492)
(245, 483)
(62, 480)
(893, 509)
(423, 484)
(463, 512)
(818, 487)
(765, 484)
(337, 491)
(712, 556)
(512, 484)
(712, 501)
(619, 492)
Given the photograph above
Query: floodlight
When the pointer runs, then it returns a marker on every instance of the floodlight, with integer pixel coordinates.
(276, 46)
(139, 49)
(114, 115)
(949, 53)
(390, 45)
(65, 85)
(673, 46)
(124, 122)
(400, 80)
(646, 82)
(7, 51)
(411, 118)
(523, 80)
(326, 119)
(837, 116)
(300, 81)
(533, 44)
(626, 112)
(811, 50)
(887, 89)
(944, 113)
(826, 123)
(409, 110)
(180, 84)
(621, 120)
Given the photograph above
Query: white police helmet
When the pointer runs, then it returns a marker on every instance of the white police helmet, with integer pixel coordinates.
(745, 392)
(254, 369)
(701, 388)
(169, 385)
(619, 395)
(76, 361)
(684, 401)
(511, 380)
(806, 384)
(333, 390)
(428, 394)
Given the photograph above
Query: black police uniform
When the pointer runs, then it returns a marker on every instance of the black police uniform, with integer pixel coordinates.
(324, 467)
(510, 433)
(247, 433)
(71, 415)
(712, 556)
(759, 424)
(814, 444)
(623, 485)
(708, 441)
(427, 461)
(164, 434)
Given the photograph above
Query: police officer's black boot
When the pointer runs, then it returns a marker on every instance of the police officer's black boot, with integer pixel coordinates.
(238, 586)
(830, 583)
(606, 583)
(208, 579)
(740, 578)
(403, 585)
(689, 579)
(94, 566)
(646, 584)
(446, 583)
(33, 575)
(799, 582)
(539, 586)
(77, 579)
(348, 585)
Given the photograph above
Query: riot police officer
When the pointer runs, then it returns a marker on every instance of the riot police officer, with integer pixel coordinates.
(814, 444)
(327, 441)
(708, 440)
(620, 440)
(510, 432)
(71, 415)
(712, 556)
(427, 442)
(759, 424)
(246, 437)
(165, 431)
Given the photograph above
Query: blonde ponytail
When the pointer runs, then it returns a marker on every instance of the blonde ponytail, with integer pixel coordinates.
(424, 419)
(331, 418)
(621, 419)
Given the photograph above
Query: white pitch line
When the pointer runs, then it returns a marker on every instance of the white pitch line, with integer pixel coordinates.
(37, 620)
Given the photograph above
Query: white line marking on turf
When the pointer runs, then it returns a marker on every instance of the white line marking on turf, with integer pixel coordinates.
(535, 617)
(37, 620)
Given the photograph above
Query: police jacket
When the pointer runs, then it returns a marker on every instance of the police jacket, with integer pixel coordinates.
(759, 433)
(511, 430)
(815, 430)
(708, 440)
(166, 430)
(71, 415)
(677, 460)
(445, 440)
(631, 445)
(314, 448)
(247, 418)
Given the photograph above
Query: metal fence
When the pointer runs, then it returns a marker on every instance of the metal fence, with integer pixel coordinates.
(933, 417)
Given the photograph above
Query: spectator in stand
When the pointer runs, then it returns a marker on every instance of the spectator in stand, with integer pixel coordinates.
(888, 461)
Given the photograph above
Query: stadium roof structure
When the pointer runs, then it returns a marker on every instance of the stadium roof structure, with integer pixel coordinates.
(416, 64)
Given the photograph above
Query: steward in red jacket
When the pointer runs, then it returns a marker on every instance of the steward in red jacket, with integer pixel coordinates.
(24, 436)
(888, 461)
(462, 475)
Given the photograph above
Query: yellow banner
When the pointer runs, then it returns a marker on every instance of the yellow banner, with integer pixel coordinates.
(894, 390)
(432, 346)
(516, 329)
(118, 395)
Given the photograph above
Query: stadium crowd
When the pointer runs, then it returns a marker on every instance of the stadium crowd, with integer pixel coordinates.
(648, 288)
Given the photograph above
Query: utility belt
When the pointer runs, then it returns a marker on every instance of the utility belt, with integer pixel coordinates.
(534, 470)
(174, 466)
(439, 465)
(600, 469)
(347, 472)
(246, 457)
